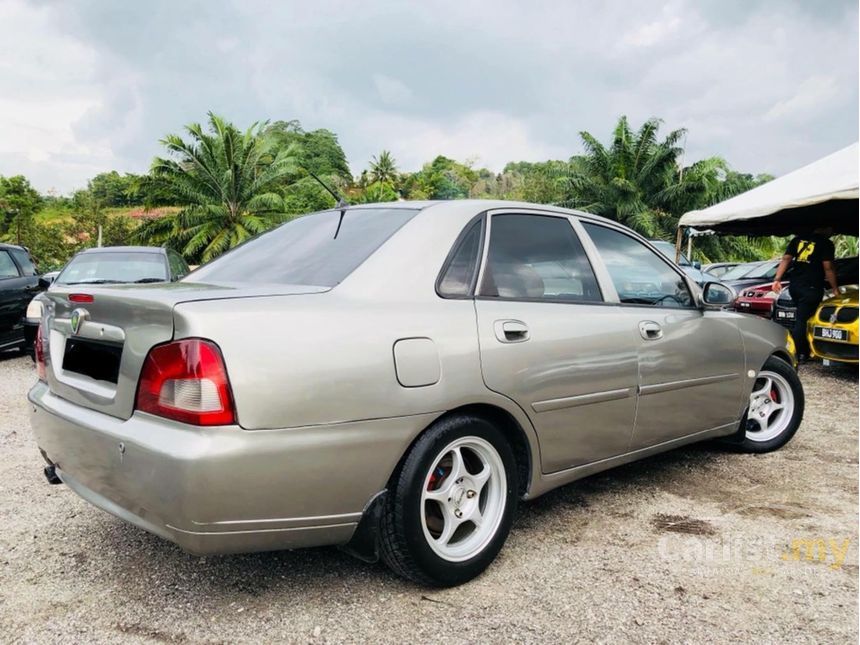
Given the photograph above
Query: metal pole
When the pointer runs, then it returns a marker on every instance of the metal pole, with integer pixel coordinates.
(679, 238)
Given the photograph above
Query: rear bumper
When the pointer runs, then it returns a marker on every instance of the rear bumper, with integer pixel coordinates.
(222, 490)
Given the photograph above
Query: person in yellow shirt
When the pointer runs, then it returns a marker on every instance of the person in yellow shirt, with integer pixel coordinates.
(810, 258)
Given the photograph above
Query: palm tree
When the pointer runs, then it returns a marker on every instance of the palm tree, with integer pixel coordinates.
(627, 180)
(639, 180)
(383, 168)
(227, 183)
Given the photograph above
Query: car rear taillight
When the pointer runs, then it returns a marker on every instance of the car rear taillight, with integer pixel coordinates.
(39, 351)
(186, 380)
(80, 297)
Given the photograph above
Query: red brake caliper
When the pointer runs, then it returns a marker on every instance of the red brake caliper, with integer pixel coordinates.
(774, 395)
(435, 477)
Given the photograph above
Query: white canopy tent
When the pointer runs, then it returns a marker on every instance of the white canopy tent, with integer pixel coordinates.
(824, 193)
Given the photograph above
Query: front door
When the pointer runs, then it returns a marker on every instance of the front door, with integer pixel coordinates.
(691, 362)
(549, 342)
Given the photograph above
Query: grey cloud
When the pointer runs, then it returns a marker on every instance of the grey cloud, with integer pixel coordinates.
(768, 84)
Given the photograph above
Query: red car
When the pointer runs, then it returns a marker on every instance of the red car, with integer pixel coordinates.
(757, 299)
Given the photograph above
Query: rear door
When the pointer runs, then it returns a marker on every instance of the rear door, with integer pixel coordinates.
(13, 299)
(691, 362)
(550, 343)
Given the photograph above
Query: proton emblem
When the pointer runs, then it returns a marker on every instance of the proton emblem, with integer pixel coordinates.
(77, 319)
(833, 318)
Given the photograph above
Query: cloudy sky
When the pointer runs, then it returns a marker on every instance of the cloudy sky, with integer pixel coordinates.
(88, 85)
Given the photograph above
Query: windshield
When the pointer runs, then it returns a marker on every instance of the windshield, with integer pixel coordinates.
(739, 271)
(305, 251)
(114, 267)
(668, 250)
(752, 270)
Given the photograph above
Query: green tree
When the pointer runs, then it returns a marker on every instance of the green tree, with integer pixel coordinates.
(113, 190)
(638, 180)
(627, 180)
(317, 151)
(227, 183)
(442, 178)
(378, 191)
(19, 202)
(383, 168)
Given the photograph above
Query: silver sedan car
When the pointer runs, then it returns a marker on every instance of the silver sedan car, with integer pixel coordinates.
(394, 378)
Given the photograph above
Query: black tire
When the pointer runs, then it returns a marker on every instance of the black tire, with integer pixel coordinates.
(403, 545)
(750, 445)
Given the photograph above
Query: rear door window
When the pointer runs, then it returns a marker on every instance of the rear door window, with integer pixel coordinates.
(7, 266)
(462, 269)
(537, 257)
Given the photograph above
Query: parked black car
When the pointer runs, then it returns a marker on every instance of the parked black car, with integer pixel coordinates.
(19, 282)
(784, 309)
(717, 269)
(750, 274)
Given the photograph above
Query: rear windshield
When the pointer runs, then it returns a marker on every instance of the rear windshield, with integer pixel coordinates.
(114, 267)
(305, 251)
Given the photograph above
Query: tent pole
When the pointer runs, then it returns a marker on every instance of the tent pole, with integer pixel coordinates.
(679, 238)
(690, 248)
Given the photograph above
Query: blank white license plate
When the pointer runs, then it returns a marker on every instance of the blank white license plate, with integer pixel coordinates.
(787, 315)
(830, 334)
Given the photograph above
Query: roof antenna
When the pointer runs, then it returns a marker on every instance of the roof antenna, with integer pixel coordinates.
(342, 204)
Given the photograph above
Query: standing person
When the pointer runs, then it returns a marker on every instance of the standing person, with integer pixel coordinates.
(811, 260)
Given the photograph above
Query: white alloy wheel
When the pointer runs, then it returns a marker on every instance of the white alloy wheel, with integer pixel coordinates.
(771, 407)
(463, 499)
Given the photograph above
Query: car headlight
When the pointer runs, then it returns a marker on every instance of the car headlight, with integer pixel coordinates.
(789, 345)
(34, 309)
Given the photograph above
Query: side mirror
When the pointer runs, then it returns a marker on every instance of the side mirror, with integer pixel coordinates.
(697, 265)
(46, 280)
(716, 295)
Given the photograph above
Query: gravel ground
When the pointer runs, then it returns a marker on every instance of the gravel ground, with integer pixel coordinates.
(693, 545)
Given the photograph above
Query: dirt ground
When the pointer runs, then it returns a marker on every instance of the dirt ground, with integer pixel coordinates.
(696, 545)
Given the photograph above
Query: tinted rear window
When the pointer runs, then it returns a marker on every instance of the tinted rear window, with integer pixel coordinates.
(305, 251)
(114, 267)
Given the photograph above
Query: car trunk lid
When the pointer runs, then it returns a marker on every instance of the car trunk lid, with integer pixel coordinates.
(97, 337)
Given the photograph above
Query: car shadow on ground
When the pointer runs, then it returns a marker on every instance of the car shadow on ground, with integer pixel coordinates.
(9, 354)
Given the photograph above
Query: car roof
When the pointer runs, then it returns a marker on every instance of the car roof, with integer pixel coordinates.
(12, 246)
(483, 205)
(125, 249)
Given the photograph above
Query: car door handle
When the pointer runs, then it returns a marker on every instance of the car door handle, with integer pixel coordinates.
(650, 330)
(511, 331)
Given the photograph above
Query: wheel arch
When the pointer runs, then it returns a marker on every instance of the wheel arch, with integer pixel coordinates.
(505, 421)
(783, 355)
(365, 541)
